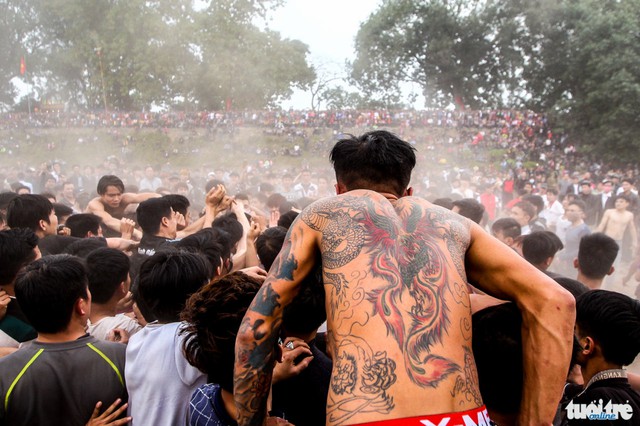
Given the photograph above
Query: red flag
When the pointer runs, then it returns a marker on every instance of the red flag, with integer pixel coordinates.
(23, 66)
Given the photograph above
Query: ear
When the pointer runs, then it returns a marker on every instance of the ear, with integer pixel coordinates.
(611, 270)
(43, 224)
(576, 264)
(408, 192)
(589, 346)
(548, 261)
(340, 188)
(165, 221)
(81, 307)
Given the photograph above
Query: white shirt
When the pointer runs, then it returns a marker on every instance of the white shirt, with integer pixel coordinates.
(100, 330)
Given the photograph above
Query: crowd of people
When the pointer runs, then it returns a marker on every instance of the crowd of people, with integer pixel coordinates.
(222, 297)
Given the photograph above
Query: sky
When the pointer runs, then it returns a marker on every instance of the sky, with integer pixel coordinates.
(328, 27)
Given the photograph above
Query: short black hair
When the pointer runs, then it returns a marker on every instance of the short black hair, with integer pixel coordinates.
(596, 254)
(213, 316)
(48, 289)
(285, 220)
(109, 180)
(82, 223)
(83, 246)
(107, 268)
(268, 245)
(5, 199)
(61, 210)
(27, 210)
(508, 226)
(540, 245)
(179, 203)
(150, 213)
(167, 279)
(469, 208)
(229, 223)
(536, 200)
(613, 320)
(16, 250)
(497, 349)
(375, 160)
(206, 242)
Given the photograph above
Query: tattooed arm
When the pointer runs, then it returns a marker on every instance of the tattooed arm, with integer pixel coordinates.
(259, 331)
(548, 316)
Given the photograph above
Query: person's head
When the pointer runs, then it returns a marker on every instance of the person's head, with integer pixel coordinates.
(497, 349)
(575, 210)
(622, 202)
(506, 229)
(537, 202)
(445, 202)
(62, 212)
(469, 208)
(83, 225)
(34, 212)
(607, 186)
(207, 242)
(523, 212)
(108, 274)
(596, 255)
(83, 246)
(378, 161)
(285, 220)
(268, 245)
(110, 189)
(166, 280)
(179, 204)
(5, 199)
(68, 190)
(275, 200)
(18, 247)
(213, 316)
(52, 291)
(609, 321)
(585, 187)
(552, 196)
(23, 189)
(229, 223)
(306, 312)
(155, 216)
(627, 184)
(539, 248)
(149, 173)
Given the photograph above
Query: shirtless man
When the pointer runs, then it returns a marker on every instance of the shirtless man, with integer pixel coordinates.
(398, 309)
(112, 202)
(617, 221)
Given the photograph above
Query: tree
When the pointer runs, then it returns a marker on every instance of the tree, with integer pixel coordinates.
(455, 50)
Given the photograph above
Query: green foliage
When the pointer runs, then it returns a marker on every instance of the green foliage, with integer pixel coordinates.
(126, 55)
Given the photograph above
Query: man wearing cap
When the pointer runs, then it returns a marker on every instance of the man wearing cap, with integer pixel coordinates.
(607, 199)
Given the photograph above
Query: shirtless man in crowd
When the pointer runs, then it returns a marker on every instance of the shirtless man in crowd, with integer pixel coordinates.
(395, 269)
(112, 202)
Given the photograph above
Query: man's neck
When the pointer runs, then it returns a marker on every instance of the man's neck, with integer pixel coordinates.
(9, 289)
(70, 334)
(596, 365)
(577, 222)
(100, 311)
(592, 283)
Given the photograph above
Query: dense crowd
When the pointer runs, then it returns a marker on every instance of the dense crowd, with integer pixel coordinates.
(153, 270)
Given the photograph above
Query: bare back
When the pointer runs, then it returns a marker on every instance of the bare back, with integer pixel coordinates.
(397, 306)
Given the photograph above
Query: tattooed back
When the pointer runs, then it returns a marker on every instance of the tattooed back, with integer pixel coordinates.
(397, 306)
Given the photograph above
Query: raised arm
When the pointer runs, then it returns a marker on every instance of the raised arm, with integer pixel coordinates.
(258, 334)
(132, 198)
(603, 222)
(548, 317)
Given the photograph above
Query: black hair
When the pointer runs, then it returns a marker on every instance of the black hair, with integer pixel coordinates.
(612, 320)
(48, 289)
(167, 279)
(83, 246)
(61, 210)
(16, 250)
(528, 208)
(269, 243)
(27, 210)
(540, 245)
(575, 287)
(82, 223)
(207, 242)
(307, 311)
(581, 205)
(275, 200)
(107, 268)
(497, 349)
(5, 199)
(229, 223)
(508, 226)
(150, 213)
(179, 203)
(375, 160)
(445, 202)
(109, 180)
(469, 208)
(213, 315)
(536, 200)
(285, 220)
(596, 254)
(211, 183)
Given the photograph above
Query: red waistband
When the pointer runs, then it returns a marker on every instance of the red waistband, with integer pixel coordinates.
(476, 417)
